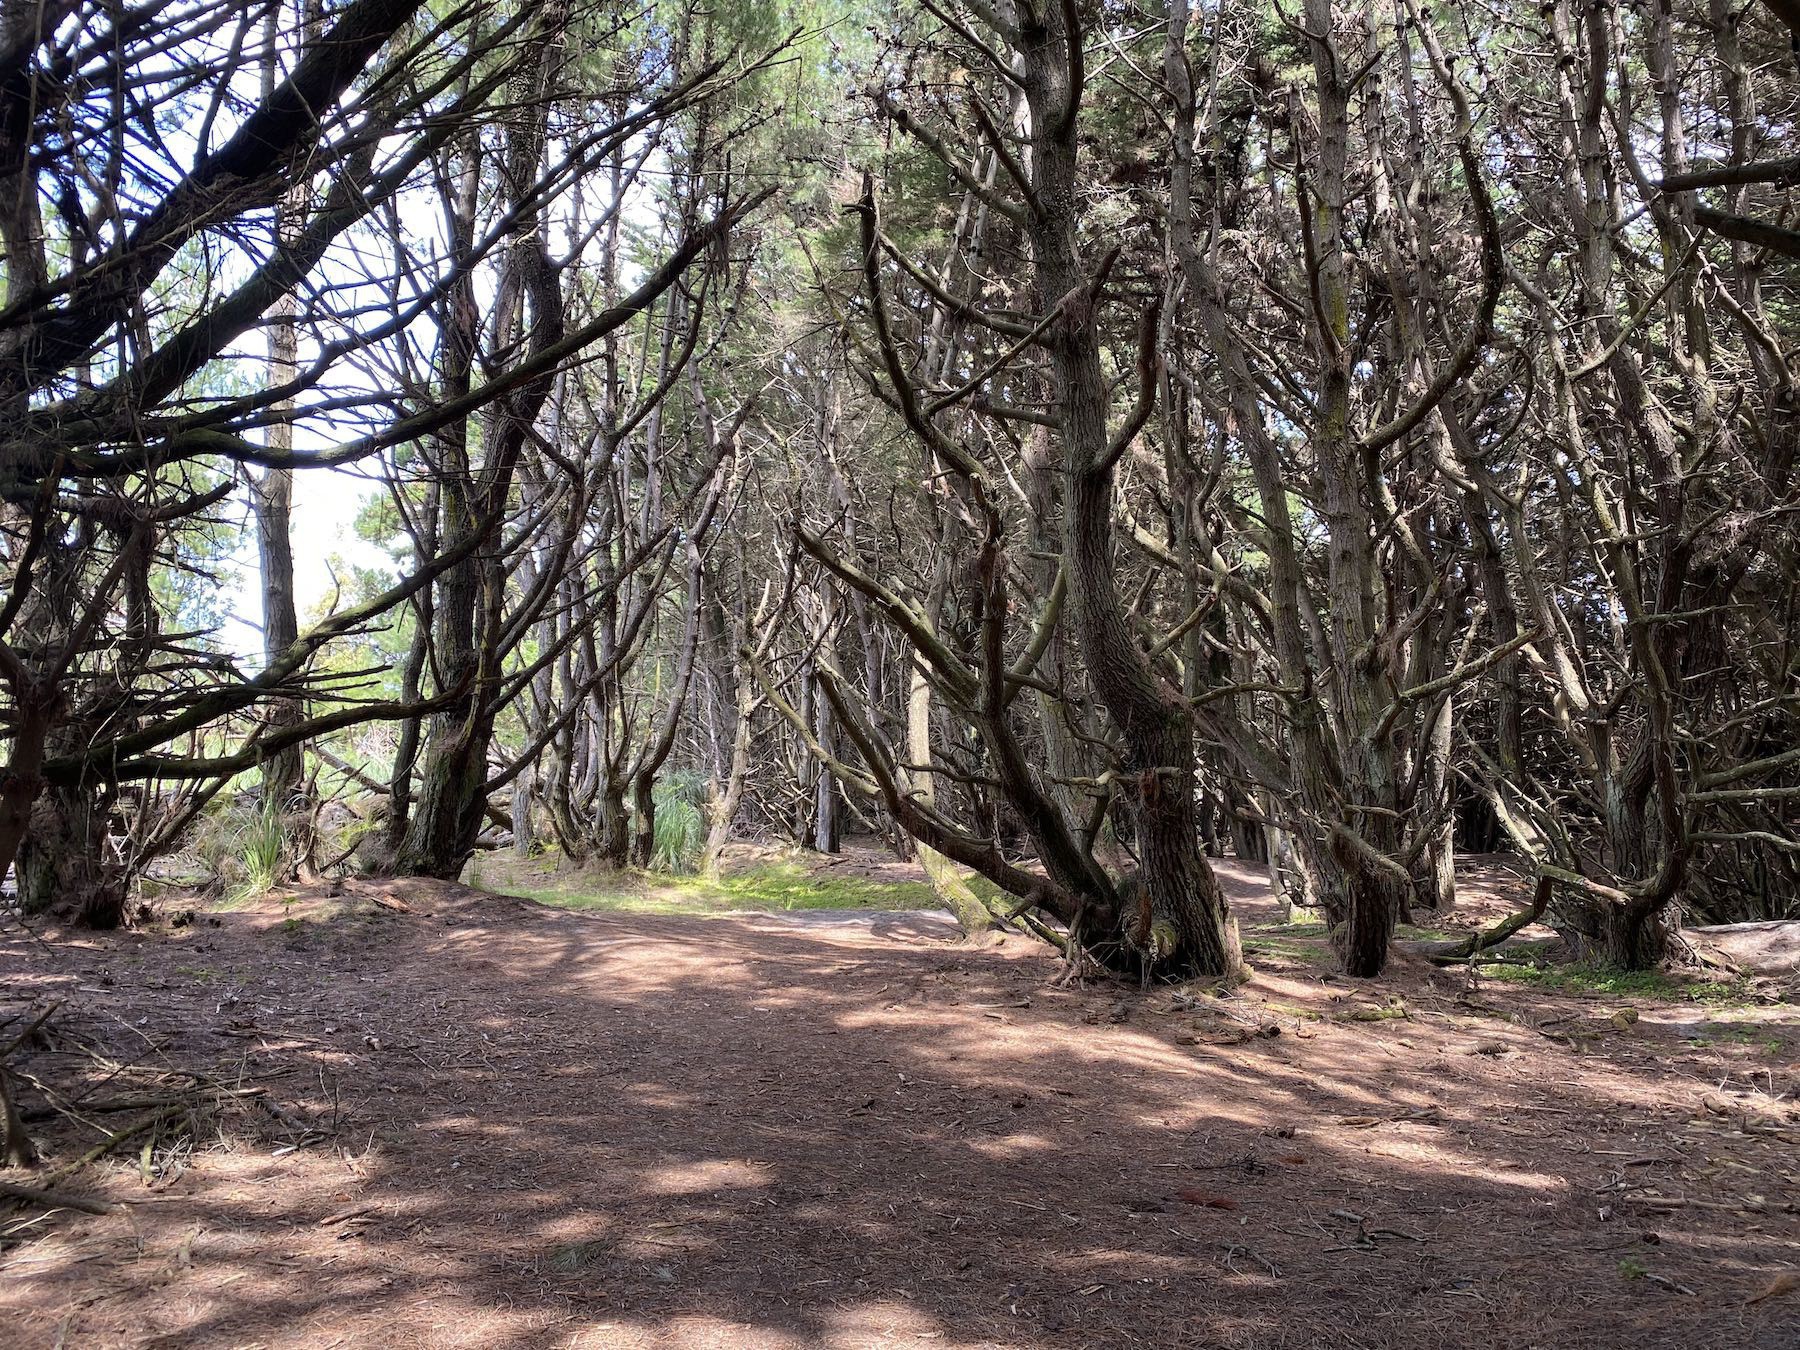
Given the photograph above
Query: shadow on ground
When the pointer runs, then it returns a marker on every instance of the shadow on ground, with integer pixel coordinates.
(554, 1129)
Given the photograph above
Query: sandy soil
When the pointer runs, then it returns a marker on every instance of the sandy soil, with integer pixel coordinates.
(488, 1123)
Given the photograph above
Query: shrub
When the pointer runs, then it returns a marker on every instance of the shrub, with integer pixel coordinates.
(259, 853)
(680, 822)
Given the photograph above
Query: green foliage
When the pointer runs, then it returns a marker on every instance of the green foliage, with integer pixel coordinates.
(680, 826)
(239, 848)
(259, 854)
(788, 886)
(1601, 982)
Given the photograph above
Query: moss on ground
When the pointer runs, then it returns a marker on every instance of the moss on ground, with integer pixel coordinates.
(1656, 984)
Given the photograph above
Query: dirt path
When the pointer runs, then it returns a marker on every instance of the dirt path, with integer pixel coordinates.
(524, 1127)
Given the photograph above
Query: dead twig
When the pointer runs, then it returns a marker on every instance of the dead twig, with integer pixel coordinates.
(1233, 1249)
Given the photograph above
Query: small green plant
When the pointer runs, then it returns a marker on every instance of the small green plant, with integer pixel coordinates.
(1632, 1269)
(259, 854)
(680, 824)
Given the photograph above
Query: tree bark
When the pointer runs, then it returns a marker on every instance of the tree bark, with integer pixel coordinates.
(272, 496)
(947, 884)
(62, 863)
(1181, 912)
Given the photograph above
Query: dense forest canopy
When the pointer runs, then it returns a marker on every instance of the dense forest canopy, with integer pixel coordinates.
(1068, 441)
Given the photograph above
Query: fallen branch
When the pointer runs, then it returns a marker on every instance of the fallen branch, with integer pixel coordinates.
(1476, 943)
(16, 1147)
(23, 1036)
(112, 1141)
(1239, 1249)
(49, 1199)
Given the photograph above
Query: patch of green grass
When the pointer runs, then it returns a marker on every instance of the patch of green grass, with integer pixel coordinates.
(790, 886)
(769, 888)
(1292, 930)
(1299, 942)
(1416, 933)
(1746, 1035)
(1285, 949)
(1583, 979)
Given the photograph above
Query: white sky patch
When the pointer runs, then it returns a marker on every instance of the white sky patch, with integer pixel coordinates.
(326, 501)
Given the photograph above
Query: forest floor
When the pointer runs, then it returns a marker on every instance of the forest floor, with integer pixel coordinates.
(441, 1117)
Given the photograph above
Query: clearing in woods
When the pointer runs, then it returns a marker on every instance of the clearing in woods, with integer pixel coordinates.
(471, 1120)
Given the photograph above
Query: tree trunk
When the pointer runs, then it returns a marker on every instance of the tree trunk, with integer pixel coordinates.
(523, 838)
(947, 883)
(643, 818)
(1627, 936)
(1181, 911)
(1434, 885)
(1360, 937)
(825, 813)
(723, 807)
(412, 676)
(63, 863)
(452, 792)
(272, 495)
(283, 773)
(1065, 757)
(612, 823)
(446, 817)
